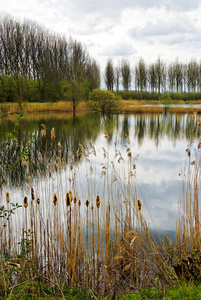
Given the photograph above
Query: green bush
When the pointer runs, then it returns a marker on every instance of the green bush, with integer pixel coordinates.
(103, 101)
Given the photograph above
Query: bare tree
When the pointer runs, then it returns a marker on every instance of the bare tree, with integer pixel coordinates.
(152, 78)
(160, 75)
(109, 75)
(125, 74)
(141, 76)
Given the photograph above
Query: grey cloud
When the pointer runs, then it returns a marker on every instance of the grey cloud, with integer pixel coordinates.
(161, 27)
(114, 8)
(95, 26)
(166, 32)
(121, 49)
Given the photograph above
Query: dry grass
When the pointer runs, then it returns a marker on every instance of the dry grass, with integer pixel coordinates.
(134, 106)
(61, 106)
(95, 237)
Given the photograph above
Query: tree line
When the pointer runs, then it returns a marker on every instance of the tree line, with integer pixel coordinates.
(176, 77)
(38, 65)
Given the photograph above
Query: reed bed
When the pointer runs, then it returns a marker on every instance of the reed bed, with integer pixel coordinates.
(83, 225)
(126, 107)
(60, 106)
(187, 251)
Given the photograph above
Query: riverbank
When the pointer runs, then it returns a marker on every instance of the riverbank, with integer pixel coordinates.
(34, 290)
(127, 106)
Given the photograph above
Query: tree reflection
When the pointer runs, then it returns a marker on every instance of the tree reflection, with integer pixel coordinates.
(72, 131)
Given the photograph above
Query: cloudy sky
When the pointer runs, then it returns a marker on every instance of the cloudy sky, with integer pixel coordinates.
(119, 29)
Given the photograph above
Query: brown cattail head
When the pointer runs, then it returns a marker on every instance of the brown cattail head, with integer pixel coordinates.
(9, 263)
(133, 241)
(55, 199)
(92, 207)
(52, 134)
(25, 202)
(74, 199)
(139, 204)
(98, 202)
(87, 203)
(38, 201)
(67, 199)
(70, 195)
(79, 202)
(32, 194)
(43, 131)
(7, 197)
(130, 235)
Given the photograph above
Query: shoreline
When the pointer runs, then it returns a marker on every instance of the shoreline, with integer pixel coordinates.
(127, 106)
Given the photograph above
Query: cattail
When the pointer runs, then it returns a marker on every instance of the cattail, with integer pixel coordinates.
(75, 199)
(52, 134)
(98, 202)
(119, 259)
(55, 199)
(9, 263)
(67, 199)
(38, 201)
(79, 202)
(127, 267)
(139, 204)
(70, 195)
(133, 241)
(87, 203)
(25, 202)
(43, 131)
(92, 207)
(7, 197)
(32, 194)
(59, 162)
(106, 135)
(130, 234)
(193, 116)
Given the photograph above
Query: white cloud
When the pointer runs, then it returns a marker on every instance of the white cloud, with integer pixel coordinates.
(120, 28)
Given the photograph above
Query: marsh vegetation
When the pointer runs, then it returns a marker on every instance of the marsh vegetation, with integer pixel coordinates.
(71, 215)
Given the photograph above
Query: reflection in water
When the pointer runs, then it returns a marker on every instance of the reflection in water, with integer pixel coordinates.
(159, 140)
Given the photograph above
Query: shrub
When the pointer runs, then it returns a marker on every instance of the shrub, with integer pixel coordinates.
(103, 101)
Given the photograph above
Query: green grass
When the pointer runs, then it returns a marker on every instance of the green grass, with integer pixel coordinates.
(34, 290)
(184, 291)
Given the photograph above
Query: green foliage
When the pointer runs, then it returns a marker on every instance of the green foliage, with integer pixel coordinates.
(26, 243)
(39, 290)
(6, 213)
(103, 101)
(183, 291)
(166, 101)
(12, 147)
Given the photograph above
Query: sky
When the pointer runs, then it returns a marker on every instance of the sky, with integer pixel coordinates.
(120, 29)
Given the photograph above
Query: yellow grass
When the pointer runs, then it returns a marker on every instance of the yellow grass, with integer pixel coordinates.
(127, 106)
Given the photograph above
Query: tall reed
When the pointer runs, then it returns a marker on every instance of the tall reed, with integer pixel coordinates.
(103, 243)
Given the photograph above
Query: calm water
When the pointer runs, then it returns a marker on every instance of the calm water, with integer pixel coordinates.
(158, 144)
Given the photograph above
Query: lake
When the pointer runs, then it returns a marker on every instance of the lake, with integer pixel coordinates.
(157, 144)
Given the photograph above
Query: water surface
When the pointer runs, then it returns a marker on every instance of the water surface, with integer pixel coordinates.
(158, 145)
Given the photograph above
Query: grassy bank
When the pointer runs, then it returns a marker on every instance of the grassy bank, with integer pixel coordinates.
(33, 290)
(127, 106)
